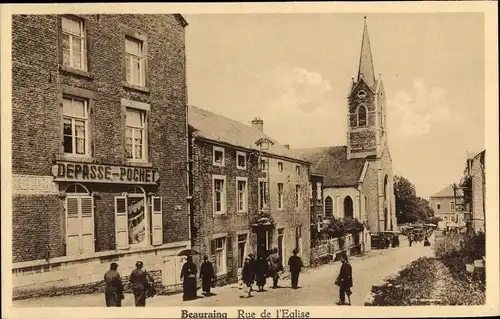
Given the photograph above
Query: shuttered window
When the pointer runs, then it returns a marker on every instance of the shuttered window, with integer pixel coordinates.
(121, 222)
(156, 221)
(79, 225)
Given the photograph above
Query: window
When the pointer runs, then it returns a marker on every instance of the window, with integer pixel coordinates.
(73, 43)
(242, 194)
(241, 160)
(220, 256)
(310, 191)
(263, 164)
(297, 196)
(361, 116)
(218, 155)
(219, 193)
(297, 170)
(242, 244)
(452, 205)
(318, 191)
(280, 167)
(262, 194)
(328, 206)
(135, 134)
(79, 221)
(361, 94)
(136, 222)
(280, 195)
(75, 126)
(134, 62)
(438, 206)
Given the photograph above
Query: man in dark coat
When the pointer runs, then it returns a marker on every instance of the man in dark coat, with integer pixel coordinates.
(248, 275)
(140, 284)
(295, 263)
(206, 275)
(344, 280)
(114, 287)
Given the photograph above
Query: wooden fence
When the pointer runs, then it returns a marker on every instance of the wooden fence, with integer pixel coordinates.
(327, 250)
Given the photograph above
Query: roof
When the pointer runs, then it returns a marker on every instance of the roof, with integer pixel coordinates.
(218, 128)
(446, 192)
(366, 70)
(332, 162)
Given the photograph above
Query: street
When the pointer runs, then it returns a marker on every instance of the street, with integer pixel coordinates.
(316, 285)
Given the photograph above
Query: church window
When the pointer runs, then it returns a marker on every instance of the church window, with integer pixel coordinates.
(361, 94)
(361, 115)
(328, 206)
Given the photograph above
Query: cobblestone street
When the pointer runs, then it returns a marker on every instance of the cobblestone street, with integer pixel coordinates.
(316, 285)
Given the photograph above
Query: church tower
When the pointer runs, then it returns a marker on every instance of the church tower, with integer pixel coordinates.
(366, 132)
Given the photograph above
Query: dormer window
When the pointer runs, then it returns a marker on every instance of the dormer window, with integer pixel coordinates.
(362, 116)
(361, 94)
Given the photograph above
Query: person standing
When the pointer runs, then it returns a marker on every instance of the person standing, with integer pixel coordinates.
(206, 275)
(344, 280)
(248, 276)
(188, 277)
(114, 287)
(140, 283)
(295, 263)
(261, 270)
(275, 266)
(410, 238)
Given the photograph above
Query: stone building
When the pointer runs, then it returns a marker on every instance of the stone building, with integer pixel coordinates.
(99, 147)
(318, 212)
(246, 198)
(358, 178)
(473, 184)
(447, 205)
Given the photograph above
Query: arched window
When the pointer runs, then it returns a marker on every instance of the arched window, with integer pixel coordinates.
(328, 206)
(361, 115)
(348, 207)
(77, 189)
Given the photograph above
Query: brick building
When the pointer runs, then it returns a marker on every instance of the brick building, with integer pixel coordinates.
(358, 178)
(473, 184)
(447, 205)
(99, 147)
(245, 198)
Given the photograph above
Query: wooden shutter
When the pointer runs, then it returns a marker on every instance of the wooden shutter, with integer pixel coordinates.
(72, 226)
(229, 245)
(156, 221)
(212, 254)
(87, 224)
(121, 222)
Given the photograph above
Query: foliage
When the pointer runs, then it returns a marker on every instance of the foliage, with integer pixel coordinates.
(410, 207)
(338, 227)
(467, 248)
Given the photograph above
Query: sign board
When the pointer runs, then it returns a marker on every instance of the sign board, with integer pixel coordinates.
(94, 173)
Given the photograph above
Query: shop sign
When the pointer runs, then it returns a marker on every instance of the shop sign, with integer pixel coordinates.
(94, 173)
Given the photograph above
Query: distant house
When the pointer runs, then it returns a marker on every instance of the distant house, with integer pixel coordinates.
(473, 184)
(447, 205)
(246, 198)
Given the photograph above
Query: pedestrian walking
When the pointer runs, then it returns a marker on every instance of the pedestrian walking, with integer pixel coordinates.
(344, 280)
(206, 275)
(114, 287)
(275, 266)
(141, 284)
(248, 277)
(295, 263)
(261, 270)
(410, 238)
(188, 277)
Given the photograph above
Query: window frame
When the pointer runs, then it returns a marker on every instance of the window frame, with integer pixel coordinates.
(297, 196)
(73, 118)
(452, 206)
(238, 154)
(262, 202)
(223, 249)
(78, 196)
(140, 37)
(143, 107)
(328, 206)
(281, 194)
(438, 206)
(362, 105)
(219, 149)
(280, 166)
(84, 70)
(245, 195)
(223, 210)
(297, 170)
(319, 190)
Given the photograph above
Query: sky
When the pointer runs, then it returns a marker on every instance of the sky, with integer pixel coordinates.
(294, 72)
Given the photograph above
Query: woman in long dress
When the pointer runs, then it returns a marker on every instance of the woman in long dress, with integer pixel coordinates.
(261, 270)
(188, 277)
(248, 276)
(114, 287)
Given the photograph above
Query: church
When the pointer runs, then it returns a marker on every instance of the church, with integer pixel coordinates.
(358, 178)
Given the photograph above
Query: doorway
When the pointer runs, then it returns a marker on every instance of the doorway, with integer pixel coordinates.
(348, 207)
(264, 240)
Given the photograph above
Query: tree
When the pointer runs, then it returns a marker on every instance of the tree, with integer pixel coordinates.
(410, 207)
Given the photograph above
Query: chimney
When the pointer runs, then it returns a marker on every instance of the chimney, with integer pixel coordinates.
(258, 123)
(287, 146)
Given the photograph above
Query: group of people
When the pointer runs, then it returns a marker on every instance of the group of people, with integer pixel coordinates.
(256, 271)
(141, 281)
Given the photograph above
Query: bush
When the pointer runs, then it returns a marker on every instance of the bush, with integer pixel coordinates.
(339, 227)
(469, 248)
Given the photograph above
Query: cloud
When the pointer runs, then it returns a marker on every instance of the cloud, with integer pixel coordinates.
(417, 112)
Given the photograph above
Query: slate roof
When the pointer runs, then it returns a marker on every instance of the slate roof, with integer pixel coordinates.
(218, 128)
(446, 192)
(333, 164)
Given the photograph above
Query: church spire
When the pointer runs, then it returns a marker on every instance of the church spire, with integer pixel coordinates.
(366, 69)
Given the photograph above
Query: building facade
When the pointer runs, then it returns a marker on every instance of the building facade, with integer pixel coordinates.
(318, 211)
(473, 184)
(99, 147)
(358, 178)
(448, 205)
(246, 198)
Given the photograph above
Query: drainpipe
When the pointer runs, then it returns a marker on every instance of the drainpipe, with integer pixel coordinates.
(188, 173)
